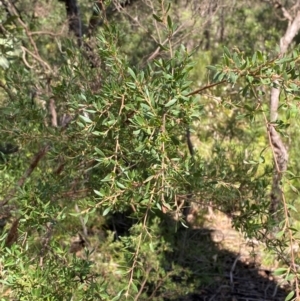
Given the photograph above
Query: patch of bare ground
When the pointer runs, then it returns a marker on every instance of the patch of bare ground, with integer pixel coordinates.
(233, 264)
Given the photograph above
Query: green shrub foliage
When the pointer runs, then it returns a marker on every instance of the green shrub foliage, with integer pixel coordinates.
(102, 162)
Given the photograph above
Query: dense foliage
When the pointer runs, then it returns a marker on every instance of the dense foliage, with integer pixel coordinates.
(110, 152)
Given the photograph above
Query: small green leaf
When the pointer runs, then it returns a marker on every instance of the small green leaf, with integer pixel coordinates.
(171, 102)
(98, 193)
(232, 76)
(254, 57)
(151, 247)
(168, 8)
(212, 68)
(236, 60)
(249, 78)
(106, 211)
(280, 271)
(134, 287)
(108, 178)
(139, 120)
(97, 133)
(85, 119)
(85, 219)
(137, 132)
(82, 96)
(184, 225)
(75, 214)
(259, 56)
(294, 189)
(170, 23)
(157, 18)
(162, 47)
(100, 152)
(218, 76)
(149, 179)
(4, 62)
(120, 185)
(290, 277)
(132, 73)
(227, 52)
(291, 207)
(289, 296)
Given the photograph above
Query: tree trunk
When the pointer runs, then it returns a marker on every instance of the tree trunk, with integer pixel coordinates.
(73, 14)
(280, 151)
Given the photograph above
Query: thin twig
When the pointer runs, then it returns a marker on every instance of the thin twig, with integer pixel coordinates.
(53, 112)
(147, 272)
(207, 87)
(84, 228)
(49, 33)
(36, 57)
(12, 233)
(233, 268)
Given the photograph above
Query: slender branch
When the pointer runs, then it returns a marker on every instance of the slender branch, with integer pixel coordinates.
(157, 50)
(37, 57)
(189, 142)
(53, 112)
(48, 33)
(147, 273)
(206, 87)
(12, 233)
(84, 228)
(46, 240)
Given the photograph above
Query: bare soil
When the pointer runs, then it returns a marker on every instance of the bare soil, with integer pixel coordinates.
(234, 265)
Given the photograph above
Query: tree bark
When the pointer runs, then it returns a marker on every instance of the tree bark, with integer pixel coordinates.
(74, 19)
(280, 150)
(101, 14)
